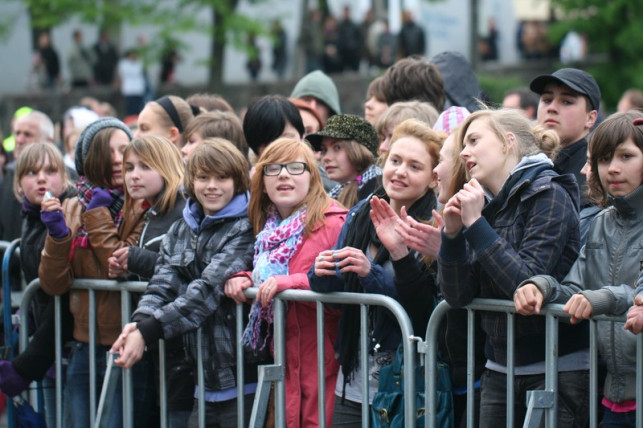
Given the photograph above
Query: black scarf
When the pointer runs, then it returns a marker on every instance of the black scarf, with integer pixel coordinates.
(361, 234)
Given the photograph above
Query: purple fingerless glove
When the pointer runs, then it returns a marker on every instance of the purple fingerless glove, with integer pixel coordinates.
(11, 383)
(55, 223)
(100, 198)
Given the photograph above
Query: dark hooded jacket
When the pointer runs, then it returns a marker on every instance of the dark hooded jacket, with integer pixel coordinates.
(529, 228)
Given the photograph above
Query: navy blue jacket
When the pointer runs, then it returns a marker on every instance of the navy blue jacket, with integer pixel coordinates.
(533, 231)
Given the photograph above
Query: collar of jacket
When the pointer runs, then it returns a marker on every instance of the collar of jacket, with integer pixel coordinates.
(630, 205)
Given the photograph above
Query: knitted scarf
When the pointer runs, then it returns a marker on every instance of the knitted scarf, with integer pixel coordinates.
(85, 192)
(371, 172)
(361, 234)
(274, 247)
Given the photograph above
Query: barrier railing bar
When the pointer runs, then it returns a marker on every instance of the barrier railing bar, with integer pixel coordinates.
(280, 360)
(363, 354)
(321, 360)
(128, 406)
(240, 369)
(9, 249)
(59, 359)
(164, 412)
(200, 379)
(551, 364)
(639, 381)
(471, 366)
(92, 357)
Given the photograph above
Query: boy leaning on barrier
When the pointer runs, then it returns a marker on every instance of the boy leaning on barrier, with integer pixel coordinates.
(212, 241)
(602, 279)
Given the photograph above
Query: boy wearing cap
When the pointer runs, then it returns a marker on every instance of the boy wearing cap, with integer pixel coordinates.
(320, 91)
(569, 103)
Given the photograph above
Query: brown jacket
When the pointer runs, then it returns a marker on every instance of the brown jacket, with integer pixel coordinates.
(57, 272)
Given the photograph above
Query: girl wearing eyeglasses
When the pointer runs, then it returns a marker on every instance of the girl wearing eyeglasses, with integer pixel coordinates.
(294, 220)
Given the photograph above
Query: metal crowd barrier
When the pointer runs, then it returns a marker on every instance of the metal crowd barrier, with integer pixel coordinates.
(540, 403)
(267, 374)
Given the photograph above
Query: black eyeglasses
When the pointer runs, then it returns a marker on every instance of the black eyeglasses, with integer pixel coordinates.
(293, 168)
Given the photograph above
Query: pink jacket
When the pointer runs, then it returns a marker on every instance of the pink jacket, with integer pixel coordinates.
(301, 330)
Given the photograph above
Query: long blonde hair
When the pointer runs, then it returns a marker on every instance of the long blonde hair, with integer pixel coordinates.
(530, 139)
(317, 201)
(165, 158)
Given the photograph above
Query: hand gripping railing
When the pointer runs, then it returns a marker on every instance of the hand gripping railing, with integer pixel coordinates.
(364, 300)
(541, 403)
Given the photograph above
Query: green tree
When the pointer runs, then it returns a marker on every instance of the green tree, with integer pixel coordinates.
(613, 28)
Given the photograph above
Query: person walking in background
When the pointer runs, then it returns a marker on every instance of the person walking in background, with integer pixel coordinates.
(331, 58)
(253, 64)
(169, 59)
(80, 61)
(131, 80)
(311, 40)
(279, 49)
(350, 41)
(386, 47)
(106, 60)
(49, 59)
(411, 38)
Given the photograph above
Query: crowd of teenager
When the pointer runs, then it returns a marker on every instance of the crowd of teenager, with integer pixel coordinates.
(428, 195)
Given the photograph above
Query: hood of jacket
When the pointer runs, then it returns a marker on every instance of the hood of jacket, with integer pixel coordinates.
(461, 85)
(537, 169)
(196, 220)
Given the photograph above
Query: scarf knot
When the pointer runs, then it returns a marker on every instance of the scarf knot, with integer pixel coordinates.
(274, 247)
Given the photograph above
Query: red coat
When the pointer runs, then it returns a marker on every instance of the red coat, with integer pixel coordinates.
(301, 330)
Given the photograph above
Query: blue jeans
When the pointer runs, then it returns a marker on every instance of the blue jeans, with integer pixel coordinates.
(573, 398)
(77, 388)
(618, 420)
(222, 414)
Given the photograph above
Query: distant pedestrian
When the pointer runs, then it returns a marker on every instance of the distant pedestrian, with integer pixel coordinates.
(80, 61)
(131, 79)
(350, 42)
(386, 47)
(331, 59)
(49, 59)
(279, 49)
(311, 40)
(106, 60)
(412, 40)
(169, 59)
(253, 64)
